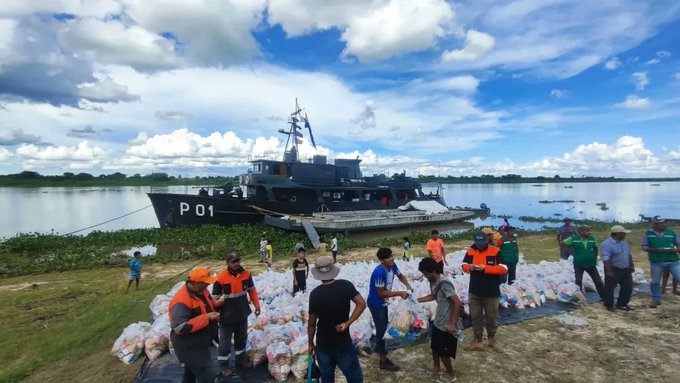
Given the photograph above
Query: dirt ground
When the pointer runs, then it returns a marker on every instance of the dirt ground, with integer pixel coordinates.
(636, 346)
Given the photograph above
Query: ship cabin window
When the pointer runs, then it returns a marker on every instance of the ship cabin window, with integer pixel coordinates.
(406, 194)
(293, 194)
(257, 168)
(326, 194)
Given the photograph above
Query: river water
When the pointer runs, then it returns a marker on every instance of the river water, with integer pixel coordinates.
(63, 209)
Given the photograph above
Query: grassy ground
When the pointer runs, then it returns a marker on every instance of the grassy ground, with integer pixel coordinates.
(59, 327)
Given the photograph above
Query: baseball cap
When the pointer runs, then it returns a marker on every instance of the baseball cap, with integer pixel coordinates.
(201, 275)
(619, 229)
(233, 257)
(481, 238)
(487, 230)
(324, 269)
(658, 219)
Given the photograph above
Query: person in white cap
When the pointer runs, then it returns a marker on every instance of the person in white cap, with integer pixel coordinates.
(618, 268)
(663, 246)
(329, 321)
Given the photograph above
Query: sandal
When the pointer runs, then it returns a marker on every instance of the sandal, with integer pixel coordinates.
(624, 308)
(442, 379)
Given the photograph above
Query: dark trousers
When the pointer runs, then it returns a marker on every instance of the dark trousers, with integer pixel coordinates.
(512, 272)
(594, 275)
(239, 331)
(199, 367)
(341, 355)
(484, 313)
(302, 286)
(379, 314)
(622, 277)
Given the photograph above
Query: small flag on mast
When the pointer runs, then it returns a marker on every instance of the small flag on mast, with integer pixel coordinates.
(311, 136)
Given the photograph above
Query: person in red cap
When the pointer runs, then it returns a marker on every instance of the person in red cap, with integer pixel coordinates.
(193, 319)
(235, 285)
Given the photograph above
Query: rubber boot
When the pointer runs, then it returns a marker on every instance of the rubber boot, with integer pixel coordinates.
(477, 345)
(494, 344)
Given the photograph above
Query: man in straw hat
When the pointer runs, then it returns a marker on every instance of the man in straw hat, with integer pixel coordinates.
(193, 319)
(329, 320)
(618, 268)
(663, 247)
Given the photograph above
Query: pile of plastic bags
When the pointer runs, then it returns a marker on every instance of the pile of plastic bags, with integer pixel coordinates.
(278, 335)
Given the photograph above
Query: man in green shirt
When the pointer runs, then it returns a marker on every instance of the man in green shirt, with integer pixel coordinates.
(510, 251)
(583, 247)
(663, 247)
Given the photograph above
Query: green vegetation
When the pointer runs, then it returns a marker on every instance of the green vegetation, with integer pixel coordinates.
(34, 179)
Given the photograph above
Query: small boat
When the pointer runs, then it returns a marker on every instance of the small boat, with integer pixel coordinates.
(411, 214)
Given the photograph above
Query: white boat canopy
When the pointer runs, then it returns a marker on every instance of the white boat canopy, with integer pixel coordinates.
(430, 207)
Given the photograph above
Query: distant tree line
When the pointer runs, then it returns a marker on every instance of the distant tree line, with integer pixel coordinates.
(30, 178)
(516, 178)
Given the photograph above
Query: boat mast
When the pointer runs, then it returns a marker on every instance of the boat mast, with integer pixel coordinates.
(291, 152)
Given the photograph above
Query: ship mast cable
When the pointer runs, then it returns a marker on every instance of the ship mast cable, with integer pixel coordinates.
(110, 220)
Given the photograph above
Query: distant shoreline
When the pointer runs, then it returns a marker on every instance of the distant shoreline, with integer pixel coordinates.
(35, 179)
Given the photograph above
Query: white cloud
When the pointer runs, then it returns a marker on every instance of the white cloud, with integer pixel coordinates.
(82, 8)
(677, 75)
(653, 62)
(640, 79)
(476, 45)
(112, 42)
(612, 63)
(82, 156)
(628, 155)
(5, 154)
(372, 30)
(106, 90)
(464, 84)
(634, 102)
(9, 137)
(663, 54)
(559, 93)
(560, 39)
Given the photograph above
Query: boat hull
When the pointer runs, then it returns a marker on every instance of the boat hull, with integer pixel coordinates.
(174, 210)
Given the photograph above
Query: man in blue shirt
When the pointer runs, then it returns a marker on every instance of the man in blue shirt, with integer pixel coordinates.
(618, 268)
(380, 289)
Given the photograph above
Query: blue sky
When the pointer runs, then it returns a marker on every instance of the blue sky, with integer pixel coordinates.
(451, 87)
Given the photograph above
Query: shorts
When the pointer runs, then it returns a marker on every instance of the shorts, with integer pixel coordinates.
(443, 343)
(134, 276)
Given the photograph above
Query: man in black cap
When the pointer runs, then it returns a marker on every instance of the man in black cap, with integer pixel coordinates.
(565, 231)
(329, 320)
(485, 265)
(234, 283)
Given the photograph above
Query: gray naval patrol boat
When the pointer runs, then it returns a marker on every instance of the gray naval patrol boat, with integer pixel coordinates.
(295, 188)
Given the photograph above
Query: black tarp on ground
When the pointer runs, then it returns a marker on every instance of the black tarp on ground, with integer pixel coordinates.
(166, 369)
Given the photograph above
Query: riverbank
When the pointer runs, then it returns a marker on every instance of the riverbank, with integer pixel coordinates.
(59, 326)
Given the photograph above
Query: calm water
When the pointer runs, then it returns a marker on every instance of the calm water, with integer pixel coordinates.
(63, 210)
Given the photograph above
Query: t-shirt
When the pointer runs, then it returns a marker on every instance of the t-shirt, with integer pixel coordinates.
(334, 244)
(331, 304)
(135, 267)
(301, 268)
(443, 290)
(383, 278)
(435, 246)
(270, 251)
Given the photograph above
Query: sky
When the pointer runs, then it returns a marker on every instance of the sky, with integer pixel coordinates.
(200, 87)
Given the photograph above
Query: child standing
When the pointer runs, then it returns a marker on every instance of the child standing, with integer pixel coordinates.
(269, 251)
(300, 271)
(447, 325)
(407, 249)
(135, 271)
(334, 248)
(263, 249)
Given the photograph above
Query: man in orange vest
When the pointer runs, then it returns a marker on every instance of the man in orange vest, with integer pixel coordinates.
(485, 265)
(193, 319)
(235, 284)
